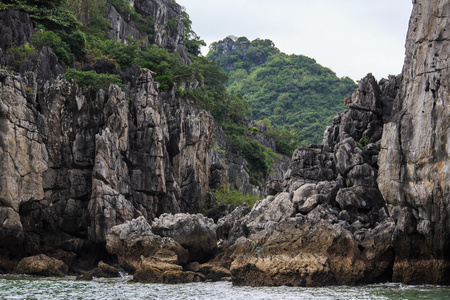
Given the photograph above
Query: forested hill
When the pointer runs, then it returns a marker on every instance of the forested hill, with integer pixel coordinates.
(292, 91)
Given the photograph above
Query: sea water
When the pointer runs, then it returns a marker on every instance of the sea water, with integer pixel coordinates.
(28, 287)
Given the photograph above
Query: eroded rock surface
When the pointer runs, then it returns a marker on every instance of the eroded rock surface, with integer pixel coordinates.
(134, 239)
(414, 163)
(194, 232)
(42, 265)
(329, 224)
(75, 165)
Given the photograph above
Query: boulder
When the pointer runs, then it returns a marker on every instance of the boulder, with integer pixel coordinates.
(42, 265)
(194, 232)
(107, 271)
(154, 271)
(134, 239)
(214, 272)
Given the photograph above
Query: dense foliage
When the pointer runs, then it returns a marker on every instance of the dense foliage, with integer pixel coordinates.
(226, 196)
(292, 91)
(93, 79)
(77, 32)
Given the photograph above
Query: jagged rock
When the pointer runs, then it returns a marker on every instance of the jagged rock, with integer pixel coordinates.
(160, 12)
(322, 227)
(107, 271)
(15, 29)
(86, 153)
(121, 30)
(22, 158)
(220, 211)
(42, 265)
(226, 223)
(196, 233)
(44, 64)
(309, 195)
(414, 160)
(366, 97)
(134, 239)
(273, 209)
(228, 169)
(347, 156)
(311, 162)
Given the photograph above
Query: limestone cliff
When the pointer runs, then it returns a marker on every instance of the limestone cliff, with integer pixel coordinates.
(333, 223)
(370, 204)
(160, 12)
(414, 165)
(74, 166)
(76, 163)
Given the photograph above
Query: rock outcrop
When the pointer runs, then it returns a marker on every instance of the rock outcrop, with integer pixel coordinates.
(194, 232)
(227, 168)
(75, 163)
(42, 265)
(414, 165)
(163, 21)
(135, 239)
(15, 29)
(329, 224)
(86, 172)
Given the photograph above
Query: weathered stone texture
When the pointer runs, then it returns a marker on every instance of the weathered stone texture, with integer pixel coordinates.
(163, 35)
(194, 232)
(75, 165)
(329, 224)
(414, 165)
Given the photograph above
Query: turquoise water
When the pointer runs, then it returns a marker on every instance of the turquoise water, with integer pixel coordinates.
(26, 287)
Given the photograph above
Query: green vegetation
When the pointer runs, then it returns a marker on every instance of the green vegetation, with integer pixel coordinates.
(78, 34)
(227, 196)
(292, 91)
(19, 54)
(286, 141)
(192, 40)
(364, 142)
(125, 10)
(93, 79)
(54, 15)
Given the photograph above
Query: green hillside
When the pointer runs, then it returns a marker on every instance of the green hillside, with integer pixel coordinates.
(292, 91)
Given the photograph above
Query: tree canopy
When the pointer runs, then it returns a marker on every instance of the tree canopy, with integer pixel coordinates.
(294, 92)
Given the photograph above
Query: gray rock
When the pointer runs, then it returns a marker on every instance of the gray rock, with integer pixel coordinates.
(226, 223)
(194, 232)
(413, 161)
(134, 239)
(15, 28)
(312, 162)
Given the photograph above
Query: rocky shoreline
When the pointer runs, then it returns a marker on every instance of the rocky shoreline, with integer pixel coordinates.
(94, 184)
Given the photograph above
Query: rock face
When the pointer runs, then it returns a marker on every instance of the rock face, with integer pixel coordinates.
(84, 171)
(15, 28)
(329, 224)
(75, 164)
(159, 14)
(226, 168)
(414, 165)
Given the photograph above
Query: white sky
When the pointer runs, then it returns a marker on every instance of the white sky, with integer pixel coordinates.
(351, 37)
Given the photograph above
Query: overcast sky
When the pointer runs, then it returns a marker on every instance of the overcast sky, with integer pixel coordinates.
(351, 37)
